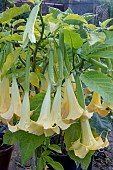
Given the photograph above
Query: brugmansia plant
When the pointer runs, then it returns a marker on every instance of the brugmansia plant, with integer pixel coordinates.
(56, 87)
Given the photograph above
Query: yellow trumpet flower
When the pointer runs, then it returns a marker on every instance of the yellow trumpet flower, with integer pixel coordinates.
(96, 106)
(56, 111)
(45, 119)
(87, 142)
(4, 95)
(15, 106)
(25, 121)
(71, 110)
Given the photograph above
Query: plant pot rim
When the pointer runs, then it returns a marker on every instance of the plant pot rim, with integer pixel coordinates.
(5, 148)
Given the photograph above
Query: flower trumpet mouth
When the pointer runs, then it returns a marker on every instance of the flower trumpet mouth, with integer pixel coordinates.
(24, 121)
(71, 110)
(96, 106)
(15, 106)
(87, 141)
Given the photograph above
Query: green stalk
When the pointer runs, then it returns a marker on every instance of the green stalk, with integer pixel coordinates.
(27, 73)
(79, 90)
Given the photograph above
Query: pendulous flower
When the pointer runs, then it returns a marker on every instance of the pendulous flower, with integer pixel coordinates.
(87, 141)
(15, 106)
(71, 110)
(56, 111)
(24, 121)
(4, 95)
(45, 120)
(96, 106)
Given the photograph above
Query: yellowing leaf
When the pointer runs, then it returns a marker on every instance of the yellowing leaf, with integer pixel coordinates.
(96, 37)
(11, 58)
(13, 12)
(14, 37)
(75, 17)
(34, 79)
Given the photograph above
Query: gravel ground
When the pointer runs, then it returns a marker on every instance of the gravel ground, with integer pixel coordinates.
(104, 160)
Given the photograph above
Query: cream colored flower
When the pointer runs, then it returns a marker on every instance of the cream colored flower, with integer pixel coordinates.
(15, 106)
(25, 121)
(71, 110)
(87, 141)
(45, 119)
(4, 95)
(56, 111)
(96, 106)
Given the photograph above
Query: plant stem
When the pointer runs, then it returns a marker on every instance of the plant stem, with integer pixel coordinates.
(27, 72)
(39, 41)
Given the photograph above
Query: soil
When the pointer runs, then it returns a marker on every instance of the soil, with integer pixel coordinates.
(102, 160)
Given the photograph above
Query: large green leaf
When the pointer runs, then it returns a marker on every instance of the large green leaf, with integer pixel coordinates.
(72, 134)
(85, 161)
(28, 143)
(73, 39)
(13, 12)
(100, 83)
(11, 58)
(74, 19)
(101, 124)
(35, 104)
(102, 54)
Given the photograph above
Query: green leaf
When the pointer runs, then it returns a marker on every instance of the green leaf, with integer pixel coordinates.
(74, 19)
(105, 23)
(18, 22)
(100, 83)
(55, 12)
(72, 134)
(88, 16)
(10, 60)
(13, 12)
(28, 143)
(73, 39)
(109, 40)
(96, 37)
(29, 29)
(101, 124)
(85, 161)
(102, 54)
(14, 37)
(55, 148)
(54, 164)
(35, 104)
(41, 164)
(9, 138)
